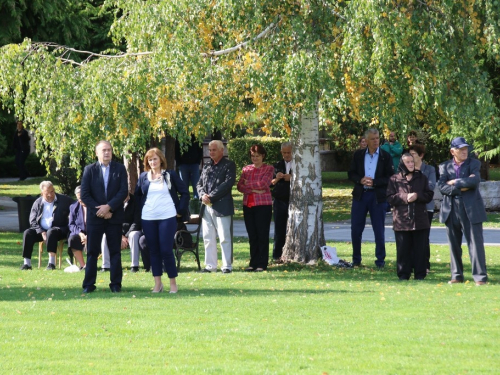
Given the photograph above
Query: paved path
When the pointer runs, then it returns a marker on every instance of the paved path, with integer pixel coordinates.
(9, 222)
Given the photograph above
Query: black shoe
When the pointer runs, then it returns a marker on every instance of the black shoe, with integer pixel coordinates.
(204, 270)
(356, 264)
(88, 290)
(226, 270)
(25, 267)
(115, 289)
(50, 267)
(134, 269)
(104, 269)
(249, 269)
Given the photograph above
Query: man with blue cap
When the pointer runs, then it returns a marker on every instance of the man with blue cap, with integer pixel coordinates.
(462, 210)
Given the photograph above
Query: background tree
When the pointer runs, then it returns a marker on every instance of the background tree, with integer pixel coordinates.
(297, 65)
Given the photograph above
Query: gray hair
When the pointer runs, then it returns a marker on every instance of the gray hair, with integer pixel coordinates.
(45, 184)
(217, 143)
(286, 144)
(371, 131)
(78, 189)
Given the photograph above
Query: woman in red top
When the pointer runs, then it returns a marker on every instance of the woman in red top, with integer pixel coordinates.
(254, 183)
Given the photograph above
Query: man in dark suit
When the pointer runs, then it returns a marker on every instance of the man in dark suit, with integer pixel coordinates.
(462, 210)
(131, 233)
(370, 171)
(214, 189)
(48, 223)
(104, 188)
(281, 199)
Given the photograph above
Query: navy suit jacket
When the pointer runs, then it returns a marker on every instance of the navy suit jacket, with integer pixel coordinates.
(177, 187)
(472, 200)
(93, 195)
(76, 219)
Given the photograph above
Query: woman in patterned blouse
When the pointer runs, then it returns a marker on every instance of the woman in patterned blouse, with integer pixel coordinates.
(254, 183)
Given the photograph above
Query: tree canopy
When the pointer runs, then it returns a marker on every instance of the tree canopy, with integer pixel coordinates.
(387, 64)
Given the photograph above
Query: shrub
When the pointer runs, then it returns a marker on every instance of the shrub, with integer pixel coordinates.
(8, 167)
(238, 150)
(65, 177)
(34, 167)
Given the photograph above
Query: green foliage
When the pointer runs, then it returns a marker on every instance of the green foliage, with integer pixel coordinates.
(8, 167)
(239, 150)
(65, 176)
(34, 167)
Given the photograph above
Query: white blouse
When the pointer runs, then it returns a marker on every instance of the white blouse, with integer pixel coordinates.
(159, 204)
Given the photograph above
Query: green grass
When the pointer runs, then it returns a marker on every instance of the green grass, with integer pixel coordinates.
(289, 320)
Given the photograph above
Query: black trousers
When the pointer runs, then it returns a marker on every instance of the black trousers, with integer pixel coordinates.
(31, 237)
(411, 256)
(114, 240)
(430, 214)
(258, 222)
(280, 213)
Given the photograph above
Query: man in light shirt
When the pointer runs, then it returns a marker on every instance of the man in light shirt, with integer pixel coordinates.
(48, 223)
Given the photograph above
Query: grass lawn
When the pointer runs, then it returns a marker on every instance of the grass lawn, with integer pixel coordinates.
(289, 320)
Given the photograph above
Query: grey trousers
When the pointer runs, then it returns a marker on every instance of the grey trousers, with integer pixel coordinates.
(458, 224)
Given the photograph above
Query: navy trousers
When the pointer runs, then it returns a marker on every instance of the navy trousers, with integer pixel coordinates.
(160, 242)
(359, 209)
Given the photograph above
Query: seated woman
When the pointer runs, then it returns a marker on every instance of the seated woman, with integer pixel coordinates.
(254, 183)
(77, 238)
(408, 193)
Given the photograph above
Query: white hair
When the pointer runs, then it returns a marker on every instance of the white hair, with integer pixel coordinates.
(45, 184)
(218, 143)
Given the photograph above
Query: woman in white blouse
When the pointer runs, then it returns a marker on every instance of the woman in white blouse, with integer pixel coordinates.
(159, 190)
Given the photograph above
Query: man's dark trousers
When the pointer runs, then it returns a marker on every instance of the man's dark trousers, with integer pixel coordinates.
(94, 237)
(359, 209)
(280, 212)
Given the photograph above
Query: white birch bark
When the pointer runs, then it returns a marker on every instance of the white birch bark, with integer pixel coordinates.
(305, 233)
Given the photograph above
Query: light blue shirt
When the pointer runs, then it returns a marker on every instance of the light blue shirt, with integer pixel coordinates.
(371, 162)
(105, 176)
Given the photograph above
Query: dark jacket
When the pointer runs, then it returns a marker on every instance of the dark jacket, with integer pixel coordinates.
(21, 142)
(409, 216)
(192, 155)
(471, 198)
(60, 213)
(382, 174)
(281, 190)
(132, 218)
(76, 219)
(93, 193)
(220, 196)
(177, 187)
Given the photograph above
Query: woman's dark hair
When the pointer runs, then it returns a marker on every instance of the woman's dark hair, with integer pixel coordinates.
(419, 148)
(259, 149)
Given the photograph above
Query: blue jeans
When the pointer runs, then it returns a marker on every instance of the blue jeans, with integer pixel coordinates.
(359, 209)
(190, 174)
(160, 238)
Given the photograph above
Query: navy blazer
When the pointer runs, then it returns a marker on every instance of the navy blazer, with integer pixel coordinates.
(60, 213)
(382, 174)
(471, 198)
(177, 187)
(220, 196)
(92, 193)
(76, 219)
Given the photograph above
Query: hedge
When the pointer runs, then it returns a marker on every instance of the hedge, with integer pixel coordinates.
(239, 150)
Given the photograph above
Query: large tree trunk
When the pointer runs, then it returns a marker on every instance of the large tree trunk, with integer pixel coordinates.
(170, 151)
(305, 233)
(133, 168)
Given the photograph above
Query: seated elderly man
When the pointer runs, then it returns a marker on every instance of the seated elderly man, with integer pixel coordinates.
(77, 239)
(48, 223)
(131, 232)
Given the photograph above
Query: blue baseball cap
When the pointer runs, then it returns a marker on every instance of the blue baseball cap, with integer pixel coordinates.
(459, 142)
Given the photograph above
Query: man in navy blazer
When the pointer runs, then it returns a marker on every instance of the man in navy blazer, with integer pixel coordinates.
(104, 188)
(462, 210)
(370, 171)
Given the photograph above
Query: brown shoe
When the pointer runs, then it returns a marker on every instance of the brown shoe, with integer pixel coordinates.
(455, 281)
(479, 283)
